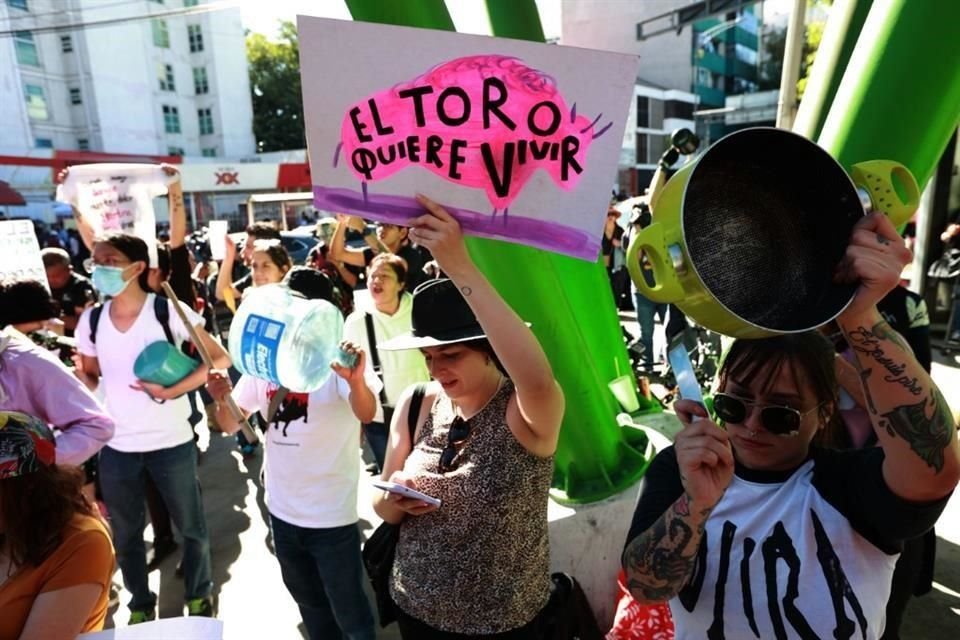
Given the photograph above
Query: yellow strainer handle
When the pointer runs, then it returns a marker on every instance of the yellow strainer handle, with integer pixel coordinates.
(667, 287)
(893, 189)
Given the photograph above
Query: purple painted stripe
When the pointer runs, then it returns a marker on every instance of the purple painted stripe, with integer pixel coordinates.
(336, 154)
(542, 234)
(595, 121)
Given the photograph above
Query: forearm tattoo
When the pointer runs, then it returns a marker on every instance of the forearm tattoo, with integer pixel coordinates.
(659, 561)
(928, 436)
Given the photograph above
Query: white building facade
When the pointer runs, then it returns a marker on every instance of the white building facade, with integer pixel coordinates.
(160, 77)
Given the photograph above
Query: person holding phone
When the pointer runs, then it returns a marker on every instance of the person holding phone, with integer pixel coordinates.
(477, 565)
(760, 527)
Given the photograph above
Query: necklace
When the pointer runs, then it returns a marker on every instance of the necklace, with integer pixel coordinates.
(493, 395)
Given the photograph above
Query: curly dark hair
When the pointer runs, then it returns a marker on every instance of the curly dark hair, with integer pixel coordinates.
(25, 301)
(36, 507)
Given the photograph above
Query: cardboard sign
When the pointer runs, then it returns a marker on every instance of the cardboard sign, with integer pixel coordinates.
(117, 197)
(20, 252)
(520, 141)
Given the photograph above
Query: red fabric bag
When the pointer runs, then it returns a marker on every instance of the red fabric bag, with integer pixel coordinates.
(635, 621)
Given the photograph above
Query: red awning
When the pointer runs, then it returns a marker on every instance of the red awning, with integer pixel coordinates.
(10, 196)
(294, 176)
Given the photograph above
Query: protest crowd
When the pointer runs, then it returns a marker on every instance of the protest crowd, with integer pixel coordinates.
(797, 496)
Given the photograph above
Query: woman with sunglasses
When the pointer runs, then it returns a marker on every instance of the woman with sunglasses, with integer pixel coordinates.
(477, 565)
(759, 529)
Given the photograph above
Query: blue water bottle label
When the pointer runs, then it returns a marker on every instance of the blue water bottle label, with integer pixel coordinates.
(259, 345)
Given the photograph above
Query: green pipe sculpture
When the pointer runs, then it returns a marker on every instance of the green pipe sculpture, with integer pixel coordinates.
(568, 301)
(900, 94)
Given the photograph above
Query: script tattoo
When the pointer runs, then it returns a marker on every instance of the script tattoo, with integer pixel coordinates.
(868, 343)
(927, 437)
(658, 562)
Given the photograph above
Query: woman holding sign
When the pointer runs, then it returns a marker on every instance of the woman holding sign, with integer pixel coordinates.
(758, 527)
(486, 432)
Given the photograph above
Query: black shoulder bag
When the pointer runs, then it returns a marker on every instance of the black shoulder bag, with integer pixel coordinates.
(381, 547)
(378, 369)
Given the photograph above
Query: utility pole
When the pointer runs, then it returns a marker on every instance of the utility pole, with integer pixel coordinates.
(787, 105)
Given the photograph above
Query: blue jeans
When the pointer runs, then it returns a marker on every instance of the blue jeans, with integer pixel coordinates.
(377, 435)
(323, 571)
(647, 310)
(174, 472)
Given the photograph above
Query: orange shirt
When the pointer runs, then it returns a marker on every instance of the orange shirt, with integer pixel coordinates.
(84, 557)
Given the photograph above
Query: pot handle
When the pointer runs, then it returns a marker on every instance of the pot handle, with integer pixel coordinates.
(892, 188)
(667, 287)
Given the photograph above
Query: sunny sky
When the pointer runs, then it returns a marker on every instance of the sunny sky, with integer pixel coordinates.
(469, 16)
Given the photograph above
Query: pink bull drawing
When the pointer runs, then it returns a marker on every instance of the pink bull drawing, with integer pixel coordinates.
(486, 121)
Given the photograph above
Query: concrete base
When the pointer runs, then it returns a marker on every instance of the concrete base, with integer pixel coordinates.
(586, 540)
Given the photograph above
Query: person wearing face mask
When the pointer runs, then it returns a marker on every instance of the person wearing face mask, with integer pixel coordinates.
(153, 434)
(763, 528)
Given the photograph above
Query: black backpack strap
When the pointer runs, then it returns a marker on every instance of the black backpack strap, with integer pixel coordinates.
(94, 321)
(161, 310)
(375, 356)
(416, 401)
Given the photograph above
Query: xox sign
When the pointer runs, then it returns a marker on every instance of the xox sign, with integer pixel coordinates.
(520, 141)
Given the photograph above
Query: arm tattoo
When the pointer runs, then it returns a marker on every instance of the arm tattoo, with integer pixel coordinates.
(928, 437)
(660, 560)
(466, 291)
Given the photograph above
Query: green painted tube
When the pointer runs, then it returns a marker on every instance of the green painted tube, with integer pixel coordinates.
(839, 38)
(900, 94)
(568, 301)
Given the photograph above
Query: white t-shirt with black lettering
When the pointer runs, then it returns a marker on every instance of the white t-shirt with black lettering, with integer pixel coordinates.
(807, 553)
(141, 423)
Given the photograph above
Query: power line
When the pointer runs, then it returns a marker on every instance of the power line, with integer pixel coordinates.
(200, 9)
(30, 15)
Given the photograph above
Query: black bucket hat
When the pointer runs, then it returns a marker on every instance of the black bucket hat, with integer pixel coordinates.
(440, 316)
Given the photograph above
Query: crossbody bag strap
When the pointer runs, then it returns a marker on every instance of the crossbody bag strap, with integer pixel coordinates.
(416, 401)
(375, 356)
(275, 403)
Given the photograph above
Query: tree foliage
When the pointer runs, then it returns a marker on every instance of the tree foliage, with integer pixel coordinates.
(774, 44)
(275, 84)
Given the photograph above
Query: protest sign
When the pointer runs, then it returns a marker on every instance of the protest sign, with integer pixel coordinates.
(20, 252)
(520, 141)
(117, 197)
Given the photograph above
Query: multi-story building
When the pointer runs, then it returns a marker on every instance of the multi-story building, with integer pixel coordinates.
(161, 77)
(713, 57)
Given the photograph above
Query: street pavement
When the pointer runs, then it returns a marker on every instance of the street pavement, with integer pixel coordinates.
(253, 602)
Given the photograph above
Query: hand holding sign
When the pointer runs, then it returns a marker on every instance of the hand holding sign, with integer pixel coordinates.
(439, 232)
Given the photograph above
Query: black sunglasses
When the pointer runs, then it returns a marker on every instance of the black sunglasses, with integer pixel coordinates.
(459, 432)
(777, 419)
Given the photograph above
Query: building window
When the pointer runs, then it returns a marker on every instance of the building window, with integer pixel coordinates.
(643, 111)
(205, 116)
(75, 96)
(165, 72)
(209, 153)
(161, 36)
(200, 84)
(195, 36)
(66, 44)
(26, 48)
(189, 3)
(175, 151)
(36, 102)
(642, 148)
(171, 119)
(43, 143)
(678, 109)
(18, 4)
(83, 144)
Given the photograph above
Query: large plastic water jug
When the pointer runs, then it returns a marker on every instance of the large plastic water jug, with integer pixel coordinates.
(286, 339)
